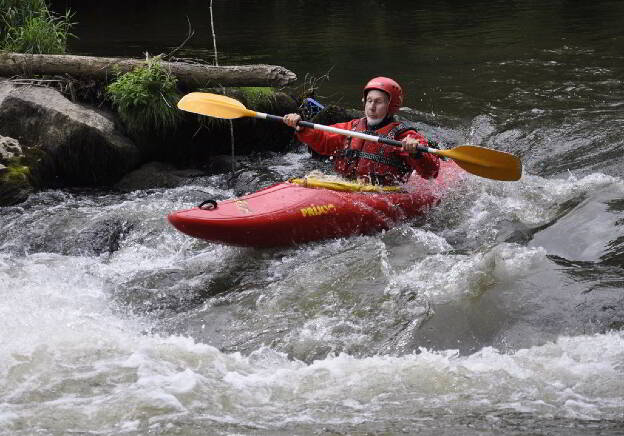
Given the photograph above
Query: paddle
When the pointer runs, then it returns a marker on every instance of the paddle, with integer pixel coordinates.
(484, 162)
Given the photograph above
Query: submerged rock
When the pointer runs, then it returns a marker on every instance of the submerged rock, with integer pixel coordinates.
(156, 175)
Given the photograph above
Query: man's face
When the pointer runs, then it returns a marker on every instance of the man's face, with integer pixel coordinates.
(376, 105)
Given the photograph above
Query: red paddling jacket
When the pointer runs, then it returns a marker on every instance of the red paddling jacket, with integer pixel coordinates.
(372, 161)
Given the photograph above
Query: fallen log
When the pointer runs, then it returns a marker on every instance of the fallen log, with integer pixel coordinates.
(100, 68)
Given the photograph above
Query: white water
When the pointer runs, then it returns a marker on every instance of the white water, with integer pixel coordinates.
(358, 334)
(70, 363)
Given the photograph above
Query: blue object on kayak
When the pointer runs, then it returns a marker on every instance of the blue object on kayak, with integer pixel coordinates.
(311, 107)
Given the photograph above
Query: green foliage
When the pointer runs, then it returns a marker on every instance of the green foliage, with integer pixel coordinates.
(256, 95)
(146, 99)
(39, 35)
(28, 26)
(16, 12)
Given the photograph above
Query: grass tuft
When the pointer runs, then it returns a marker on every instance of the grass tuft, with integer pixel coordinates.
(146, 98)
(28, 26)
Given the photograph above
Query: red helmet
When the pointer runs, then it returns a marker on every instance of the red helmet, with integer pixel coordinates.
(390, 87)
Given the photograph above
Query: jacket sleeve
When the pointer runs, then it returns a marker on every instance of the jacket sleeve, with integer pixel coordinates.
(426, 165)
(324, 143)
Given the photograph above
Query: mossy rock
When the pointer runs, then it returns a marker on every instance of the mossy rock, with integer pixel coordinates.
(258, 98)
(15, 186)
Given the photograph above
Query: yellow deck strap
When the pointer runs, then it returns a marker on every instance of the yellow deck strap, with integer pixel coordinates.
(310, 182)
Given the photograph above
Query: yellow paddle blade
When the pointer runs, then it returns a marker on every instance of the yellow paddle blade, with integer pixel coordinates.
(214, 105)
(484, 162)
(310, 182)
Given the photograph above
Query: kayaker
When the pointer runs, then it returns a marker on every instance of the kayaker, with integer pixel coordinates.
(373, 162)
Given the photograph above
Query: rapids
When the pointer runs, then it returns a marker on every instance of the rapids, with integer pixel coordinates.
(499, 312)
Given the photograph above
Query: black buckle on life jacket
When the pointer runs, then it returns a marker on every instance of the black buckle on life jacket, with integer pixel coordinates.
(377, 179)
(351, 154)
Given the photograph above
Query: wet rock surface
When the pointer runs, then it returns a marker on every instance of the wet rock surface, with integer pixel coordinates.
(80, 145)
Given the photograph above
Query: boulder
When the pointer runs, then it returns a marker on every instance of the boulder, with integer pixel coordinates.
(76, 145)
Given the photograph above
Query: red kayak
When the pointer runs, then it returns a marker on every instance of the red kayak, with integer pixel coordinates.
(305, 210)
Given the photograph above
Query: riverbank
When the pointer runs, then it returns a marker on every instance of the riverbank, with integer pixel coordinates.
(62, 131)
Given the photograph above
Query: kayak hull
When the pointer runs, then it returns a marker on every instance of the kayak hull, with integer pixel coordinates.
(289, 214)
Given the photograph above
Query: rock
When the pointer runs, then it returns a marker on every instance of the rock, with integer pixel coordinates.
(333, 114)
(156, 175)
(14, 193)
(15, 182)
(9, 149)
(81, 146)
(15, 185)
(221, 163)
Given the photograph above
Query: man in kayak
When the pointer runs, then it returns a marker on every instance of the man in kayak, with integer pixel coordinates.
(373, 162)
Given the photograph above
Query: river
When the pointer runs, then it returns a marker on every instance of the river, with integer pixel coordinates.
(500, 312)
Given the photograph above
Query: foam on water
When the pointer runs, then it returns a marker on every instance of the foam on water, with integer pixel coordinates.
(115, 378)
(481, 210)
(448, 277)
(70, 362)
(289, 164)
(73, 359)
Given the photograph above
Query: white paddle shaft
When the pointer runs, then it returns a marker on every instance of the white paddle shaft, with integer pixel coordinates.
(350, 133)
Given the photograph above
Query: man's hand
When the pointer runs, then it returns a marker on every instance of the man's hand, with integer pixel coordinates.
(411, 144)
(292, 120)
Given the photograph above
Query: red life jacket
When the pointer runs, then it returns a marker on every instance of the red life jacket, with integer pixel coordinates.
(373, 161)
